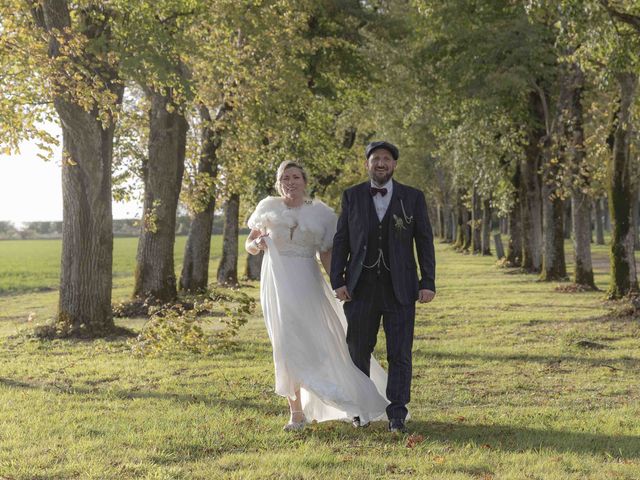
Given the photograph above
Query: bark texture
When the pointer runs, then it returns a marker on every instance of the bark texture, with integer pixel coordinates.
(466, 229)
(476, 222)
(486, 227)
(581, 208)
(84, 305)
(448, 223)
(459, 213)
(195, 264)
(155, 273)
(623, 267)
(599, 220)
(553, 207)
(553, 259)
(228, 267)
(580, 202)
(530, 194)
(514, 248)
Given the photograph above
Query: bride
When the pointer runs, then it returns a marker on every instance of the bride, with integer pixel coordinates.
(305, 323)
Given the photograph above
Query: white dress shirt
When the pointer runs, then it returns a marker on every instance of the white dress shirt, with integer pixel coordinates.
(382, 203)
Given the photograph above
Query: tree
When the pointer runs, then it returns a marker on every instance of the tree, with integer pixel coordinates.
(195, 267)
(155, 271)
(87, 90)
(610, 40)
(159, 37)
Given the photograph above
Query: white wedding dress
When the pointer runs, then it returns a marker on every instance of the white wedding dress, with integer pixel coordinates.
(305, 322)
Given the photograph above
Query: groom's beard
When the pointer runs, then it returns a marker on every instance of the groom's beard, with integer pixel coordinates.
(380, 178)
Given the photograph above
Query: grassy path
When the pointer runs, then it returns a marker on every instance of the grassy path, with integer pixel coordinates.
(502, 389)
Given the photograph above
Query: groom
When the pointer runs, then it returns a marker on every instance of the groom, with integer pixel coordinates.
(373, 270)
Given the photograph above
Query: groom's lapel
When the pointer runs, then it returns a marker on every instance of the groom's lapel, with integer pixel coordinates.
(395, 207)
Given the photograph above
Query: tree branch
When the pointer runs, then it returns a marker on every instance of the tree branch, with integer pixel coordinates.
(629, 19)
(545, 107)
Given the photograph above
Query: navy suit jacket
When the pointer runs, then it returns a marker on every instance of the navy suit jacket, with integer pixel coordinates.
(408, 224)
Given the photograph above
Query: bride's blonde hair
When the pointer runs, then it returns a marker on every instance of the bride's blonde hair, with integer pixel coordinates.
(281, 169)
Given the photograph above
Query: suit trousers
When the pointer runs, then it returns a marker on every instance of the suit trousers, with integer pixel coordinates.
(372, 300)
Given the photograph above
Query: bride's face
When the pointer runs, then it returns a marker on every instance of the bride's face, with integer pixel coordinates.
(292, 183)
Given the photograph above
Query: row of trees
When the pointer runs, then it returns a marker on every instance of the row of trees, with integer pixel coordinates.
(500, 107)
(522, 106)
(153, 90)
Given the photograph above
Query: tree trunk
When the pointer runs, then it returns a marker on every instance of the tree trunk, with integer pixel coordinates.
(454, 225)
(499, 248)
(84, 304)
(553, 259)
(228, 267)
(514, 248)
(567, 207)
(530, 196)
(253, 266)
(440, 221)
(564, 149)
(599, 221)
(459, 223)
(466, 229)
(580, 202)
(433, 213)
(448, 223)
(635, 210)
(195, 265)
(623, 266)
(607, 217)
(486, 227)
(476, 222)
(155, 274)
(581, 208)
(531, 214)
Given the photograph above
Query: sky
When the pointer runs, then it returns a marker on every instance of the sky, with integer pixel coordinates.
(31, 188)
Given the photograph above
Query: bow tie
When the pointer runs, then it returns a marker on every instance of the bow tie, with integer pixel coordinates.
(381, 191)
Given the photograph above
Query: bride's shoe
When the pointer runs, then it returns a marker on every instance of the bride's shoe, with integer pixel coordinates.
(296, 426)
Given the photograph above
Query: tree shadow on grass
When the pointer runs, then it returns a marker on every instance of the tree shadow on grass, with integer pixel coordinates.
(502, 438)
(521, 439)
(633, 364)
(215, 402)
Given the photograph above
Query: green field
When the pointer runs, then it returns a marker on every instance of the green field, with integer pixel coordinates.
(30, 273)
(502, 390)
(27, 265)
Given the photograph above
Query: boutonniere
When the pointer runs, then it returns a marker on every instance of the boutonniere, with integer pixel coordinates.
(398, 223)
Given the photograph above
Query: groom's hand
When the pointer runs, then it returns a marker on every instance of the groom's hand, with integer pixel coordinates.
(425, 296)
(343, 294)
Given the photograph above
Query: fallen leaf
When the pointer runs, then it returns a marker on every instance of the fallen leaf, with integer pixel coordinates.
(414, 440)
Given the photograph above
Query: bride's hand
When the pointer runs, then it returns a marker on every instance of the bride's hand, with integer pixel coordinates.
(260, 243)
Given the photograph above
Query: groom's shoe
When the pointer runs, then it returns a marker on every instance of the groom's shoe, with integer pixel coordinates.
(396, 425)
(357, 423)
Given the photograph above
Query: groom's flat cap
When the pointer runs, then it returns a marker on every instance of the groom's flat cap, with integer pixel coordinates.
(386, 145)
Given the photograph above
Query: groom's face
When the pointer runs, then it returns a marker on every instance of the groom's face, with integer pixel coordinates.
(380, 166)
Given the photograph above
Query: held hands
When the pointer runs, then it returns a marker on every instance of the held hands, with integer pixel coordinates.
(425, 296)
(343, 294)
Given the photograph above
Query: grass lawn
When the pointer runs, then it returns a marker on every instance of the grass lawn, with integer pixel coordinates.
(502, 390)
